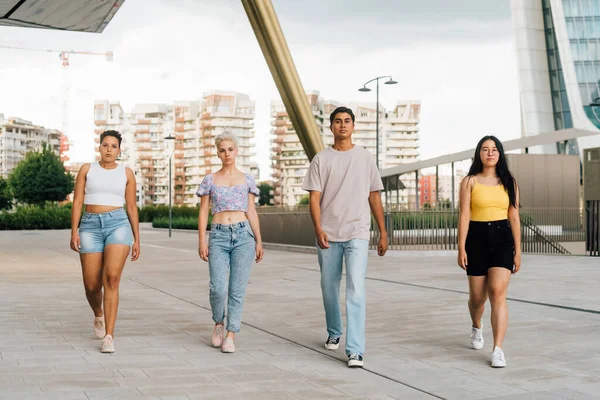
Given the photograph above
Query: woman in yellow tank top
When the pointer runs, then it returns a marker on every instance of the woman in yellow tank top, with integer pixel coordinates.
(489, 240)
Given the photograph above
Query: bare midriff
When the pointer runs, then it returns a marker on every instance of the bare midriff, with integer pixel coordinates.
(96, 209)
(229, 217)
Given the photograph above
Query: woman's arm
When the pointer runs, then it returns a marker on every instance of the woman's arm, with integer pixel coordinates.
(77, 205)
(464, 217)
(202, 223)
(255, 226)
(132, 213)
(515, 227)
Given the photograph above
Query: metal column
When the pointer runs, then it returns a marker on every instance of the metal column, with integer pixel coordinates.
(416, 190)
(277, 54)
(453, 196)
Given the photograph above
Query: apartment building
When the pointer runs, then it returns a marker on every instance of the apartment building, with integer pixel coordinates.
(109, 115)
(193, 125)
(398, 142)
(19, 136)
(288, 160)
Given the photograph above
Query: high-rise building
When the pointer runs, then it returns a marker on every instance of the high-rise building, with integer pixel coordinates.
(192, 153)
(427, 190)
(558, 51)
(398, 142)
(233, 112)
(19, 136)
(288, 160)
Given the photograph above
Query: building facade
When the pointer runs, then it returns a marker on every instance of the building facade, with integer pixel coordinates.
(192, 127)
(19, 136)
(558, 52)
(398, 144)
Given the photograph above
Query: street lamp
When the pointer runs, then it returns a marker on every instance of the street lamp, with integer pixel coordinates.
(390, 81)
(170, 137)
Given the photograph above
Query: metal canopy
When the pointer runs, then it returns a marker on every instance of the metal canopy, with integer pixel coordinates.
(67, 15)
(514, 144)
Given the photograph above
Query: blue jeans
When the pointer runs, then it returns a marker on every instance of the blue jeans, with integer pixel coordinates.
(99, 230)
(355, 252)
(231, 253)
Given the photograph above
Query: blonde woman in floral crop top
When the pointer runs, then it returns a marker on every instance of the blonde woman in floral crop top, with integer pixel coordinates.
(234, 240)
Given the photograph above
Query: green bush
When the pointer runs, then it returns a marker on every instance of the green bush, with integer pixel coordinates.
(36, 218)
(149, 213)
(178, 223)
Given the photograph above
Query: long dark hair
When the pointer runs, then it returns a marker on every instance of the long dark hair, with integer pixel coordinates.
(502, 169)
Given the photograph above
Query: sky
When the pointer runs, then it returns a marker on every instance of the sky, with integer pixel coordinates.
(458, 58)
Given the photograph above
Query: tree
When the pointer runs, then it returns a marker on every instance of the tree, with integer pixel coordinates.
(265, 197)
(304, 200)
(5, 195)
(40, 177)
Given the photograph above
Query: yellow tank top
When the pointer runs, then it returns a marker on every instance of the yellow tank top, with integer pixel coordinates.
(488, 203)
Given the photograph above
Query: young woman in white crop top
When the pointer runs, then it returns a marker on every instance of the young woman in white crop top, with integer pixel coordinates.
(107, 232)
(234, 240)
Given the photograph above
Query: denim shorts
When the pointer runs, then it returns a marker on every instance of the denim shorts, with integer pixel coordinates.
(102, 229)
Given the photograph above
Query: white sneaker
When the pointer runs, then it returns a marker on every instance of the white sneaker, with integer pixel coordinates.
(99, 327)
(108, 344)
(498, 360)
(477, 337)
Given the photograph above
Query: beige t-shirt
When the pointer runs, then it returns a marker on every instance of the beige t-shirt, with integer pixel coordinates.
(345, 180)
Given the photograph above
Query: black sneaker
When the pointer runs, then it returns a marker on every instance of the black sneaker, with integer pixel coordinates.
(355, 361)
(332, 343)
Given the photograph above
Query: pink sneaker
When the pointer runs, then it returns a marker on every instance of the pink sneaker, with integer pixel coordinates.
(108, 344)
(228, 346)
(217, 336)
(99, 327)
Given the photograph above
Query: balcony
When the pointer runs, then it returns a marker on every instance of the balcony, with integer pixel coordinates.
(180, 119)
(144, 130)
(142, 121)
(205, 115)
(98, 131)
(179, 129)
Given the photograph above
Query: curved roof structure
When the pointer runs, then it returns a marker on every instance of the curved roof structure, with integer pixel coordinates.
(68, 15)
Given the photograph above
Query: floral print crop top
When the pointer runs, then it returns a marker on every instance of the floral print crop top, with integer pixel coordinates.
(228, 198)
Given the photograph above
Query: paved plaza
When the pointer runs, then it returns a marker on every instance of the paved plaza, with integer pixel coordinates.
(417, 329)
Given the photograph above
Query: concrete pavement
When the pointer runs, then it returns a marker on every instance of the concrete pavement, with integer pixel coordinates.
(417, 329)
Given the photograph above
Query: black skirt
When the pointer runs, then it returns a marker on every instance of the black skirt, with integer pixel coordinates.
(489, 244)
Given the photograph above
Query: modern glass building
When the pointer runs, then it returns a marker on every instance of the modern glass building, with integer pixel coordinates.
(558, 52)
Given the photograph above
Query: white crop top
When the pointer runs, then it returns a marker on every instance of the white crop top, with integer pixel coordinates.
(105, 187)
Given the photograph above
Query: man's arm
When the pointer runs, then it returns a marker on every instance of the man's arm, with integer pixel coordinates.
(377, 210)
(315, 214)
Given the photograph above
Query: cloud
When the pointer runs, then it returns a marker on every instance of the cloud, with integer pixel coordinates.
(457, 58)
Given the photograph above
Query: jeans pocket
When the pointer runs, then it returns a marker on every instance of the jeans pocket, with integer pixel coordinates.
(249, 230)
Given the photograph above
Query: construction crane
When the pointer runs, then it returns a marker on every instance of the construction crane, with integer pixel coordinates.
(64, 58)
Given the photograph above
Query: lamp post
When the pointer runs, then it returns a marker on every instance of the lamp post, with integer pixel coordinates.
(390, 81)
(170, 137)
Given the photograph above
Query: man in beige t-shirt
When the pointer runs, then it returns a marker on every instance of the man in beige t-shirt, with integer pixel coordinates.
(344, 183)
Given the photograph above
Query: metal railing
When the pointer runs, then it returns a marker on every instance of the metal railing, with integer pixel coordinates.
(543, 231)
(592, 244)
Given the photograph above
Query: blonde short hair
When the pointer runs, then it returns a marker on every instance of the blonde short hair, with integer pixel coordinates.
(223, 136)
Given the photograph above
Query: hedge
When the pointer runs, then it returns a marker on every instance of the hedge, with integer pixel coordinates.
(149, 213)
(36, 218)
(179, 223)
(59, 217)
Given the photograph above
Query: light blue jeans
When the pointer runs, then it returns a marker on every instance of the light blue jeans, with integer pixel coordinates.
(231, 253)
(355, 253)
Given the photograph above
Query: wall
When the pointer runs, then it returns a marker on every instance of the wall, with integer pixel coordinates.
(547, 180)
